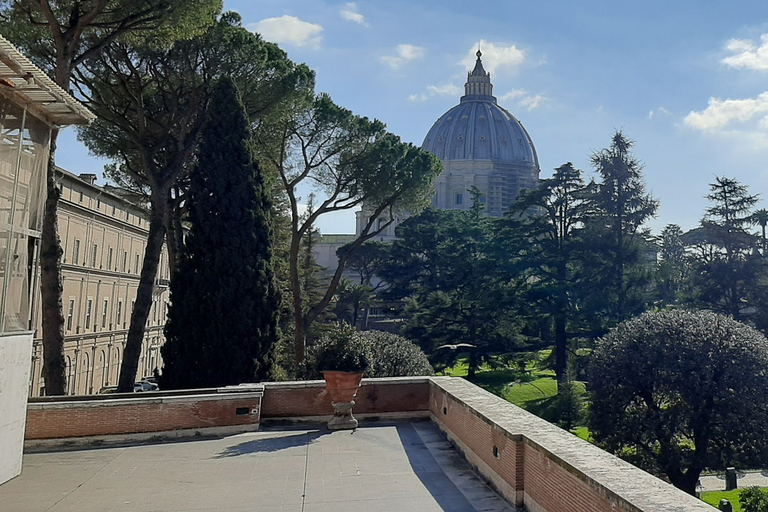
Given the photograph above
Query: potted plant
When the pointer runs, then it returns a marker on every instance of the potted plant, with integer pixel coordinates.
(342, 355)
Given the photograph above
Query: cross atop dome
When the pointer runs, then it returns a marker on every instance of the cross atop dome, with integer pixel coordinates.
(478, 86)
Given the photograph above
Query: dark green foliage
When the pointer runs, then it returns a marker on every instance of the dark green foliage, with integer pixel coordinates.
(620, 258)
(677, 391)
(754, 499)
(726, 264)
(569, 405)
(395, 356)
(672, 270)
(456, 287)
(222, 323)
(550, 220)
(341, 348)
(351, 301)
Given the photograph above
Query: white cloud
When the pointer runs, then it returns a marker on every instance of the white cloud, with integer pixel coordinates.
(349, 13)
(721, 113)
(449, 89)
(513, 94)
(747, 54)
(533, 102)
(661, 110)
(495, 56)
(405, 53)
(436, 90)
(289, 30)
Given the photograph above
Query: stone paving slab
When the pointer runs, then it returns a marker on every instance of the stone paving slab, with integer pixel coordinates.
(402, 466)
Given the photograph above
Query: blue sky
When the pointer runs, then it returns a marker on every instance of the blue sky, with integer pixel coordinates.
(687, 80)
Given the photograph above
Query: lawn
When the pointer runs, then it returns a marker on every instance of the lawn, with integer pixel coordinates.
(534, 389)
(713, 498)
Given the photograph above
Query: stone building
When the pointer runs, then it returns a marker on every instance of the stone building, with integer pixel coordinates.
(481, 145)
(103, 237)
(31, 104)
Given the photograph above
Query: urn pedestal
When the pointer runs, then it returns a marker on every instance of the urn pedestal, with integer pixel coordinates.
(342, 386)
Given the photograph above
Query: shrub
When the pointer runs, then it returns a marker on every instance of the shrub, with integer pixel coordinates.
(342, 348)
(395, 356)
(753, 499)
(679, 391)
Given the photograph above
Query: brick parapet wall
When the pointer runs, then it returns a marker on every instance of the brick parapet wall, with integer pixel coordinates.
(540, 466)
(395, 396)
(136, 414)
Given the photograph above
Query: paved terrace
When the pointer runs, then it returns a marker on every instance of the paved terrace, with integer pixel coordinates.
(403, 465)
(400, 466)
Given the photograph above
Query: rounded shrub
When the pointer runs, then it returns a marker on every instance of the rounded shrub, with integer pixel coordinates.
(341, 348)
(677, 391)
(395, 356)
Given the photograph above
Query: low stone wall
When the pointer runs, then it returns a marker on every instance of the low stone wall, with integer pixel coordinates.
(532, 463)
(540, 466)
(309, 400)
(122, 414)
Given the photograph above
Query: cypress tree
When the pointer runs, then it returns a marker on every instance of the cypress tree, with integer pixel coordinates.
(222, 322)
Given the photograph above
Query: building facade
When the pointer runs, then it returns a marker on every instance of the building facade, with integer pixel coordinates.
(31, 105)
(103, 237)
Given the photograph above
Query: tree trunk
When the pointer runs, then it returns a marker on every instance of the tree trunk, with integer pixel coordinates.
(299, 336)
(561, 348)
(174, 239)
(471, 365)
(51, 283)
(685, 481)
(154, 248)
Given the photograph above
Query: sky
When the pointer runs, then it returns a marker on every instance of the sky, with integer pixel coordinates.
(686, 80)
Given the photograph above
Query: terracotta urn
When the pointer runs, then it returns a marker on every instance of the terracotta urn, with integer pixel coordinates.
(342, 386)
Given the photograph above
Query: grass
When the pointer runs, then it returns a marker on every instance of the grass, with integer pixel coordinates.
(534, 389)
(583, 433)
(713, 498)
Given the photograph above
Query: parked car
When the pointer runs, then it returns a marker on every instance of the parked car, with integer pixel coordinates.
(144, 385)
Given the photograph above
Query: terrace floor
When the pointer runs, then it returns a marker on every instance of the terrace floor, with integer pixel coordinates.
(401, 466)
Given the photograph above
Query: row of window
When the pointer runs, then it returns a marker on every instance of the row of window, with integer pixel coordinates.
(125, 215)
(110, 253)
(157, 313)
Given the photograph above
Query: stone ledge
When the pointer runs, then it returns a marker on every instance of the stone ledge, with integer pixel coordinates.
(144, 399)
(116, 440)
(637, 489)
(382, 381)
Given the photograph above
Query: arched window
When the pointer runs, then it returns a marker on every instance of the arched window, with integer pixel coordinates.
(69, 375)
(104, 368)
(87, 372)
(116, 360)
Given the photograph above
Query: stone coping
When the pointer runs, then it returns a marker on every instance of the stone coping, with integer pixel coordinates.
(381, 381)
(640, 490)
(149, 397)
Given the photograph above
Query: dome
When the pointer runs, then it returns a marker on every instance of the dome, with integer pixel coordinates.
(483, 146)
(479, 129)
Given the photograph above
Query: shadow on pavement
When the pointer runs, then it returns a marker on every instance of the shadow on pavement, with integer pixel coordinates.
(272, 444)
(432, 476)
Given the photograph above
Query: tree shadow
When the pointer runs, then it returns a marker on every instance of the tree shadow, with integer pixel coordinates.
(431, 474)
(273, 444)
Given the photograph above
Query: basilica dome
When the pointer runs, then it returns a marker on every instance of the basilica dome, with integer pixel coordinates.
(481, 145)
